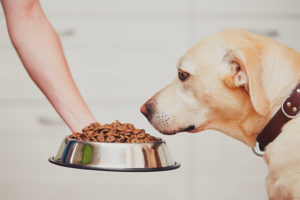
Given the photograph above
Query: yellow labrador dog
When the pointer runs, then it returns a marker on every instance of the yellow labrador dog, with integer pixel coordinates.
(235, 82)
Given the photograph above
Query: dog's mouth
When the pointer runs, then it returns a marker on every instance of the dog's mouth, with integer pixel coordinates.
(187, 129)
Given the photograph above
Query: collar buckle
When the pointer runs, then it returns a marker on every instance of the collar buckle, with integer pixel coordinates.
(288, 104)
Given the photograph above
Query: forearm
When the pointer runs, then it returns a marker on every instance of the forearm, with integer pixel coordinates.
(41, 53)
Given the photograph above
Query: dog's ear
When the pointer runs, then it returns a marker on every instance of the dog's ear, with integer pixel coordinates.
(246, 73)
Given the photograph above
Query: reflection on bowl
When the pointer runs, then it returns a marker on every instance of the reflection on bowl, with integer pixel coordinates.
(114, 156)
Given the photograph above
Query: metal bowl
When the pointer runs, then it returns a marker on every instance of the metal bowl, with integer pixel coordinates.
(132, 157)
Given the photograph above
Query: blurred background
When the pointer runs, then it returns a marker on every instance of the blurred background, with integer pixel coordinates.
(120, 53)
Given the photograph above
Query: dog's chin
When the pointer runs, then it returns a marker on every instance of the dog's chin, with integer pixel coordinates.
(166, 132)
(169, 132)
(189, 129)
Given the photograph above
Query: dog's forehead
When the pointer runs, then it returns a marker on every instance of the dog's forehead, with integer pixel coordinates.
(187, 65)
(202, 56)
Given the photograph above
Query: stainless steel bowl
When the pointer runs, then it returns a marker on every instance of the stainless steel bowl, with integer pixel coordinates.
(133, 157)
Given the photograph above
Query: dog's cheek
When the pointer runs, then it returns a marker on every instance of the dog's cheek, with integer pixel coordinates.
(228, 80)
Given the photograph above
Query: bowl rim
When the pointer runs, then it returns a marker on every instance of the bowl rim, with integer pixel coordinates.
(175, 165)
(106, 143)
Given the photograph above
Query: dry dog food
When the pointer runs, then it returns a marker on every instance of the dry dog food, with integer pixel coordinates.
(115, 132)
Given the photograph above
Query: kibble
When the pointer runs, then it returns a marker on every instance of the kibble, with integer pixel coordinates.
(115, 132)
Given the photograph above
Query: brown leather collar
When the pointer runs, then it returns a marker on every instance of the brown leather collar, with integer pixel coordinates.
(289, 110)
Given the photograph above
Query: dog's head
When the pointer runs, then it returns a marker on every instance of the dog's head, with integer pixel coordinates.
(219, 86)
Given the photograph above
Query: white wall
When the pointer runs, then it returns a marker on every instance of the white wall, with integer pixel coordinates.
(120, 53)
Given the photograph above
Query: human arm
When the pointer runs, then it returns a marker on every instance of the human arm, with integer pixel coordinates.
(41, 53)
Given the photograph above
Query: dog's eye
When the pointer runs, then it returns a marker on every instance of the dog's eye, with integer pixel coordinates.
(183, 75)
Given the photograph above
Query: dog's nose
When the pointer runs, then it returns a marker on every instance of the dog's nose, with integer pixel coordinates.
(146, 110)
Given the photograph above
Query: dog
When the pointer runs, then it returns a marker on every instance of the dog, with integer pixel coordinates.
(234, 82)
